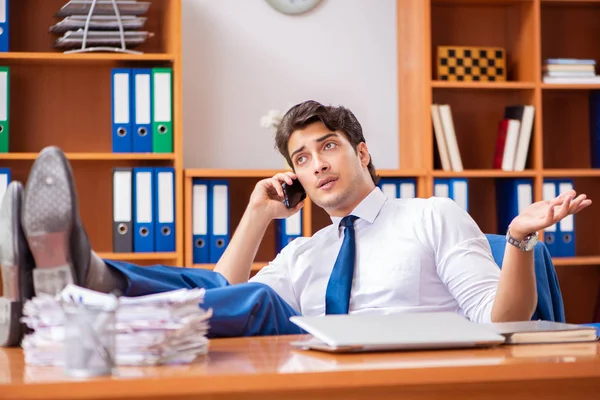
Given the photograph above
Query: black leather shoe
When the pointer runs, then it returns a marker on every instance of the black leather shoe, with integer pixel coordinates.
(52, 225)
(17, 266)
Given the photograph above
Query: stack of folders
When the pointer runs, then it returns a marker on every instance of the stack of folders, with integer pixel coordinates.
(4, 181)
(144, 209)
(142, 102)
(398, 188)
(512, 197)
(163, 328)
(513, 138)
(559, 238)
(445, 137)
(456, 189)
(4, 108)
(288, 229)
(104, 29)
(570, 70)
(210, 219)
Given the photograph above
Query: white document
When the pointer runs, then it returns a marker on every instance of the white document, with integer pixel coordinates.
(156, 329)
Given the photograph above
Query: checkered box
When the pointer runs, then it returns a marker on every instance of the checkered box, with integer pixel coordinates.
(468, 64)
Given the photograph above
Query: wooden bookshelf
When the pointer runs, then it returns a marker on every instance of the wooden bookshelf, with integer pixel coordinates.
(529, 31)
(65, 100)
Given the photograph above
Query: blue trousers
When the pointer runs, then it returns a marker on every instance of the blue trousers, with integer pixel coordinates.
(248, 309)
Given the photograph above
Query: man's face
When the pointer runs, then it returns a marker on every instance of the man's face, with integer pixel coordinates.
(334, 176)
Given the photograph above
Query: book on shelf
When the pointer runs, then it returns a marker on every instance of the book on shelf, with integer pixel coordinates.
(445, 135)
(514, 137)
(570, 70)
(439, 137)
(506, 144)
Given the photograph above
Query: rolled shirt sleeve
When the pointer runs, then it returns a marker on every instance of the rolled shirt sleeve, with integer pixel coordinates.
(464, 260)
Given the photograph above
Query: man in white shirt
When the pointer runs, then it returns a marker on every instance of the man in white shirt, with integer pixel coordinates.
(411, 255)
(414, 255)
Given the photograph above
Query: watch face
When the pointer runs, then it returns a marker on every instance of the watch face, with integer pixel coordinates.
(293, 6)
(531, 243)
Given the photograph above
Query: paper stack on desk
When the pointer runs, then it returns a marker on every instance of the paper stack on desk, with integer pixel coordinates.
(156, 329)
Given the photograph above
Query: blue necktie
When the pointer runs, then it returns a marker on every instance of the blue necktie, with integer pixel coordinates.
(337, 297)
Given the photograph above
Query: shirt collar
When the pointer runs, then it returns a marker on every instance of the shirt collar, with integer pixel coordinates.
(368, 209)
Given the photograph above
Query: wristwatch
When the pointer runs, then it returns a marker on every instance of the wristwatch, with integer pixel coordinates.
(526, 244)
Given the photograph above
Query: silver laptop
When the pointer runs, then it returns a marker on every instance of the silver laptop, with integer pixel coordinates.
(408, 331)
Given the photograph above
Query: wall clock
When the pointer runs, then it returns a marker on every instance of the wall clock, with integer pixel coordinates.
(293, 7)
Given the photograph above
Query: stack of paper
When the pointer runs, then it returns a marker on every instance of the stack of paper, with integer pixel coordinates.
(156, 329)
(104, 23)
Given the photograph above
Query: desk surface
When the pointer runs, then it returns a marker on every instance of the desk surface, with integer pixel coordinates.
(268, 367)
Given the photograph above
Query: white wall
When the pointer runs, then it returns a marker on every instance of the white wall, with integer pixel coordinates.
(242, 58)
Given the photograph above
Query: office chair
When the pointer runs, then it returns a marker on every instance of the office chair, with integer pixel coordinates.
(550, 303)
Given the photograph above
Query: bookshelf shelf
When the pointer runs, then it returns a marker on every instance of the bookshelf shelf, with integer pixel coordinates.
(54, 57)
(94, 156)
(571, 173)
(570, 3)
(485, 173)
(408, 173)
(569, 86)
(573, 261)
(482, 85)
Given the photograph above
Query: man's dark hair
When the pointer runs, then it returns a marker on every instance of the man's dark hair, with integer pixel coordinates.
(334, 118)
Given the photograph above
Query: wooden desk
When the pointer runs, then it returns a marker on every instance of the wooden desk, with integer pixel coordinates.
(268, 368)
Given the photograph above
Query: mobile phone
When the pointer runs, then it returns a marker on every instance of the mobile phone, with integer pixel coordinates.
(293, 194)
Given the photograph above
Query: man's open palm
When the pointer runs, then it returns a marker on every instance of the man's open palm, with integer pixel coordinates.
(543, 214)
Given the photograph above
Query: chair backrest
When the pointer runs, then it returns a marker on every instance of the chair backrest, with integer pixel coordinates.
(550, 305)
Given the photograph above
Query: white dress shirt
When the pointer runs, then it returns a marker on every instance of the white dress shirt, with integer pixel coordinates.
(412, 255)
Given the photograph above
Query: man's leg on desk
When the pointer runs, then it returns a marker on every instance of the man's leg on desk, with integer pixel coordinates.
(53, 250)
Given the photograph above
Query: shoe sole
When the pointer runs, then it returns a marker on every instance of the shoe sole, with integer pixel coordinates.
(47, 219)
(11, 303)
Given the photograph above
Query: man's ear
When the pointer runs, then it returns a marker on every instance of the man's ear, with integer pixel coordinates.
(363, 153)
